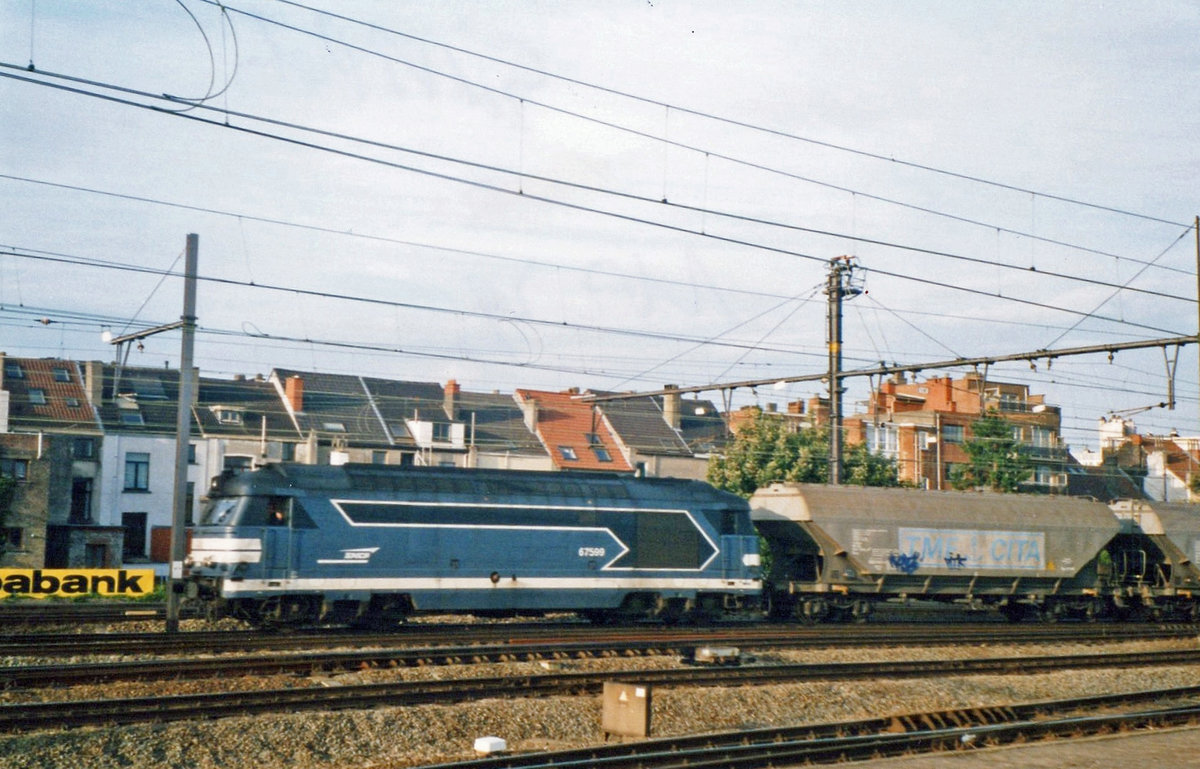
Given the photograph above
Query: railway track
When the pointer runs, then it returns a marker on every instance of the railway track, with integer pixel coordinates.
(74, 713)
(878, 737)
(519, 649)
(35, 613)
(763, 636)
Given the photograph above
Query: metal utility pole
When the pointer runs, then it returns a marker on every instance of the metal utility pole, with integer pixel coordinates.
(183, 431)
(840, 285)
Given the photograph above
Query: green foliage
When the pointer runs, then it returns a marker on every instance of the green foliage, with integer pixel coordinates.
(766, 451)
(862, 468)
(998, 461)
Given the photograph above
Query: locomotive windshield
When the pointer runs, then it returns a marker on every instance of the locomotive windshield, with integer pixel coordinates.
(255, 511)
(221, 512)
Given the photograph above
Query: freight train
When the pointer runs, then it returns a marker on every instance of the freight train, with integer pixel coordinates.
(371, 544)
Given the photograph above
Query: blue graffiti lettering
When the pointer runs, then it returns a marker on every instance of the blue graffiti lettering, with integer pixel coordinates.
(907, 564)
(956, 561)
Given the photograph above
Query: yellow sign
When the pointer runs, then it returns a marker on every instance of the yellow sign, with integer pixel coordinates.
(71, 583)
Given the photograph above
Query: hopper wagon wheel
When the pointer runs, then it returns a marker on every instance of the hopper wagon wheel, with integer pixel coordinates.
(810, 611)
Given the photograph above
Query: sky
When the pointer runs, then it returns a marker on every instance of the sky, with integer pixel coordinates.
(613, 195)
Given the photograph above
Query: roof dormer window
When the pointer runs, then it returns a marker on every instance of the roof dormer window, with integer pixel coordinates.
(228, 416)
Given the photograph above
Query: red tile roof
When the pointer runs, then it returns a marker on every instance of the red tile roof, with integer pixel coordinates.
(48, 395)
(576, 436)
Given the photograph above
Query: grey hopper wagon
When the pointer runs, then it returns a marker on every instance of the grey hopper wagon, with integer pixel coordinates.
(837, 551)
(1157, 559)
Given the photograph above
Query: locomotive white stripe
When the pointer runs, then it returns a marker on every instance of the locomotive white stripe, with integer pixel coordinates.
(226, 550)
(231, 588)
(716, 550)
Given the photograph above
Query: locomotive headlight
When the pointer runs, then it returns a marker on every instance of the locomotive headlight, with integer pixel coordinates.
(752, 559)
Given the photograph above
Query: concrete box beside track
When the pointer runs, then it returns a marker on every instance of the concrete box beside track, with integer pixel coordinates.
(908, 532)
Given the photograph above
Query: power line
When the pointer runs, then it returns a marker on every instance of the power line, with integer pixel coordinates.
(96, 263)
(570, 205)
(677, 108)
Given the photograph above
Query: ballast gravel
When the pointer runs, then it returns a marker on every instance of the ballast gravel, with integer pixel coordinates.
(420, 735)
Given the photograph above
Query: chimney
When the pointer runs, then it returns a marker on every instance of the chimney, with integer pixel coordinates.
(671, 406)
(530, 408)
(450, 400)
(293, 389)
(93, 381)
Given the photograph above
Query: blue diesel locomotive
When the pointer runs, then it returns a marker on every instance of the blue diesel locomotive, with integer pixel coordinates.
(302, 544)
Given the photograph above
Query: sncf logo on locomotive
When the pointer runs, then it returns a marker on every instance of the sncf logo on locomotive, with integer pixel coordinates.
(353, 555)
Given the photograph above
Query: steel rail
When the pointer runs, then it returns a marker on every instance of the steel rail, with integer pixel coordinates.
(73, 644)
(841, 749)
(865, 738)
(22, 716)
(683, 645)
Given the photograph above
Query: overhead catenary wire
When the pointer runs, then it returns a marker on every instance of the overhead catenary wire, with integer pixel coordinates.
(567, 204)
(521, 192)
(683, 110)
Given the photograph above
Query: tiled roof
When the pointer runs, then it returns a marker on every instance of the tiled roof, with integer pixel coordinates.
(141, 400)
(498, 424)
(334, 406)
(397, 401)
(575, 434)
(640, 424)
(237, 408)
(47, 394)
(702, 426)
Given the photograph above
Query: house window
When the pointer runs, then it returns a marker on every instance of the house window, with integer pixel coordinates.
(953, 433)
(37, 397)
(1044, 438)
(333, 427)
(84, 448)
(379, 457)
(441, 431)
(568, 453)
(597, 447)
(191, 453)
(287, 452)
(73, 403)
(14, 371)
(81, 500)
(137, 471)
(135, 534)
(132, 418)
(17, 469)
(12, 537)
(61, 374)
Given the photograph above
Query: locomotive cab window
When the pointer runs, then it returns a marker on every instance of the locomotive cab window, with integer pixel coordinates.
(256, 511)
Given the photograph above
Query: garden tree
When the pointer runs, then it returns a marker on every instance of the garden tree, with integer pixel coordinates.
(767, 450)
(998, 461)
